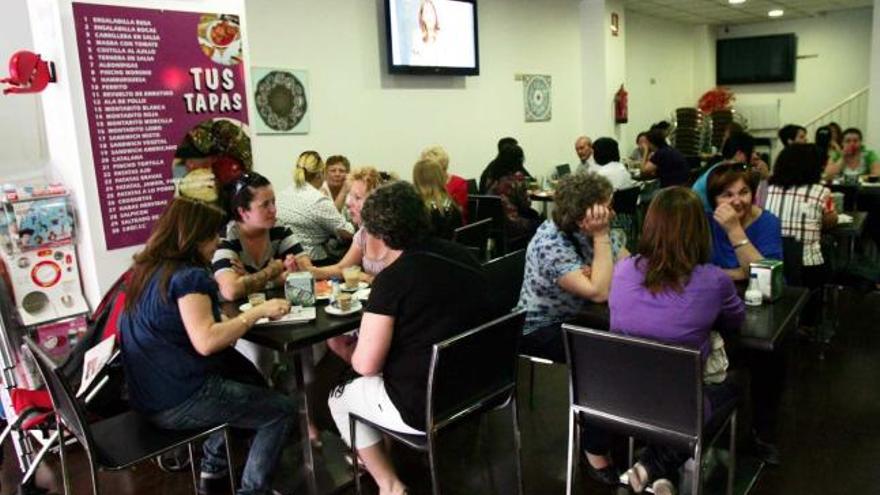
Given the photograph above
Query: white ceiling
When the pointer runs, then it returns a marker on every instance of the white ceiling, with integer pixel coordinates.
(722, 12)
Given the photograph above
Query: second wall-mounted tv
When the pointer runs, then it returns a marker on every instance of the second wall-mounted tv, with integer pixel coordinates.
(432, 37)
(759, 59)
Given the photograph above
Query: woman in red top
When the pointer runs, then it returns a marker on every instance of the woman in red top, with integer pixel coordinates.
(456, 186)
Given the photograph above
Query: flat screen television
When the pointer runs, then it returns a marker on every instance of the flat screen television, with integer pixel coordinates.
(432, 37)
(759, 59)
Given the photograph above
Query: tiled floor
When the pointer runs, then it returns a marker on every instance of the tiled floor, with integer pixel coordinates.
(829, 438)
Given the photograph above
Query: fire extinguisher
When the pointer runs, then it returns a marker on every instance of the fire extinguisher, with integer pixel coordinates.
(621, 108)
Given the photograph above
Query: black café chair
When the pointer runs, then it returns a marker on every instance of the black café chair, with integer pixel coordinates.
(489, 206)
(793, 261)
(645, 389)
(505, 275)
(470, 373)
(472, 186)
(474, 236)
(118, 442)
(625, 203)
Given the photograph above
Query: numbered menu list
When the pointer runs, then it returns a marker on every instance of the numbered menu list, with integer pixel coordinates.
(129, 119)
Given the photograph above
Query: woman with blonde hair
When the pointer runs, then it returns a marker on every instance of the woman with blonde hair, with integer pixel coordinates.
(456, 186)
(429, 179)
(362, 182)
(311, 215)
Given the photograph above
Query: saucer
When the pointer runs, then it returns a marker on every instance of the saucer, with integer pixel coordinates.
(361, 285)
(331, 309)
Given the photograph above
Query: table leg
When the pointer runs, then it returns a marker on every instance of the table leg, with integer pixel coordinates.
(302, 360)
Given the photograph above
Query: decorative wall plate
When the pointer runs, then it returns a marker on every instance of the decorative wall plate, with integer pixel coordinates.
(281, 98)
(536, 98)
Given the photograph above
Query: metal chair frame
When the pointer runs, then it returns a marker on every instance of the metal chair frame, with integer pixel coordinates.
(501, 397)
(74, 420)
(694, 437)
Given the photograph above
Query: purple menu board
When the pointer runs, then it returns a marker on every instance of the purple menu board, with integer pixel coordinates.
(165, 98)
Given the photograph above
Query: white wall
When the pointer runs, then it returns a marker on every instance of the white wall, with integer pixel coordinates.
(660, 71)
(359, 110)
(21, 126)
(873, 134)
(839, 45)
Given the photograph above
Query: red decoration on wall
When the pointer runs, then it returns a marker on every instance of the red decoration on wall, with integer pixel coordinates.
(715, 99)
(28, 73)
(621, 106)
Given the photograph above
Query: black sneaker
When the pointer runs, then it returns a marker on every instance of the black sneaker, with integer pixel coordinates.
(214, 484)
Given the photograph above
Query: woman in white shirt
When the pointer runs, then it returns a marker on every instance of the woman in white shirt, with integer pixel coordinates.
(311, 215)
(607, 156)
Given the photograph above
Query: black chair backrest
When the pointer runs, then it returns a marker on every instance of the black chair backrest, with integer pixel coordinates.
(636, 386)
(472, 186)
(63, 399)
(474, 235)
(490, 206)
(793, 261)
(563, 170)
(473, 370)
(625, 201)
(505, 275)
(850, 195)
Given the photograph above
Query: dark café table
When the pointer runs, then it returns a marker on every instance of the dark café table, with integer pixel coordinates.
(764, 329)
(296, 339)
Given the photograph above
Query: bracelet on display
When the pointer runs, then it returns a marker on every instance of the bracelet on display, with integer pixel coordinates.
(741, 244)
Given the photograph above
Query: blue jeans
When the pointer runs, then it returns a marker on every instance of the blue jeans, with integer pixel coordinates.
(241, 406)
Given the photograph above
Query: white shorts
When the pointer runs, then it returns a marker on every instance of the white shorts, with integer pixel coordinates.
(366, 397)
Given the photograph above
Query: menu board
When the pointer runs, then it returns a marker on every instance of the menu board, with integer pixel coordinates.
(165, 100)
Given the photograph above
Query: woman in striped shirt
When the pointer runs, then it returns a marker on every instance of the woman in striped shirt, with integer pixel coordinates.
(255, 254)
(805, 208)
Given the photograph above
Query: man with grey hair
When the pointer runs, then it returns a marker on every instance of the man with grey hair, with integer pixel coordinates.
(583, 146)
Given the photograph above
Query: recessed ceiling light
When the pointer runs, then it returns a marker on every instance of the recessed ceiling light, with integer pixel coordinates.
(776, 13)
(736, 2)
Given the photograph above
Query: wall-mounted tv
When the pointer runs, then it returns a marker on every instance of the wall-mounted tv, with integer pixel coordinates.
(759, 59)
(432, 37)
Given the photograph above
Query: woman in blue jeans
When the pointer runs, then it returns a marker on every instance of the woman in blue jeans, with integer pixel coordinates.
(181, 368)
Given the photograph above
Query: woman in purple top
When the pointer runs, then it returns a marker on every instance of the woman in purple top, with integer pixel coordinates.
(671, 293)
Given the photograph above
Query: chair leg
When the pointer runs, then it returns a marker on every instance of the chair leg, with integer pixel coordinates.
(531, 384)
(352, 435)
(697, 476)
(731, 467)
(432, 464)
(65, 485)
(572, 448)
(517, 445)
(230, 464)
(631, 451)
(192, 467)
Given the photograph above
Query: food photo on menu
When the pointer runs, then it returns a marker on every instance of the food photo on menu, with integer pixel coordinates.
(220, 38)
(214, 153)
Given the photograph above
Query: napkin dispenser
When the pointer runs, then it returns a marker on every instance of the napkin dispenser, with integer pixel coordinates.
(770, 278)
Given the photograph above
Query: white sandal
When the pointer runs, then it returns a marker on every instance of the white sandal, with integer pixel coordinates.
(663, 487)
(634, 476)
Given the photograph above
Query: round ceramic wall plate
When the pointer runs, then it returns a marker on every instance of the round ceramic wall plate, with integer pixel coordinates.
(281, 100)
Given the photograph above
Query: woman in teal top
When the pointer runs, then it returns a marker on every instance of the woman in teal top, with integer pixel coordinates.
(854, 161)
